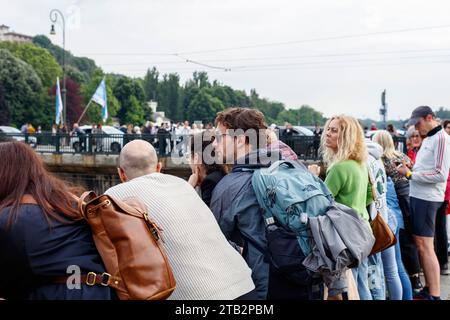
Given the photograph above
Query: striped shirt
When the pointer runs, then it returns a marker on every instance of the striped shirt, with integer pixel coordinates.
(430, 172)
(205, 265)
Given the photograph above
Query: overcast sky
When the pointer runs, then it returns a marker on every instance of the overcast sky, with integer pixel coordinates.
(337, 56)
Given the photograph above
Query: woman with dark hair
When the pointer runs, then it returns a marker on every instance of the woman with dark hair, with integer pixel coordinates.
(46, 249)
(206, 170)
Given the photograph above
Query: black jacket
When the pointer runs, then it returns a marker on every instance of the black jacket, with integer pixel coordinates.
(208, 185)
(32, 253)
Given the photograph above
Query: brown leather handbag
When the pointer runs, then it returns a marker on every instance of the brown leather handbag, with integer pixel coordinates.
(384, 237)
(129, 242)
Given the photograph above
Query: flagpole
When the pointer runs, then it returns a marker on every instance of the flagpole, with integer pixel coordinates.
(84, 111)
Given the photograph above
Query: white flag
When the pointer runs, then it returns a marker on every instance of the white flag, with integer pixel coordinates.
(59, 104)
(100, 98)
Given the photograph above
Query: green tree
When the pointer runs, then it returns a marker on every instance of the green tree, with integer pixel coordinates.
(85, 65)
(77, 76)
(201, 79)
(134, 113)
(188, 92)
(43, 63)
(125, 88)
(5, 112)
(150, 84)
(169, 96)
(271, 110)
(204, 107)
(443, 113)
(22, 88)
(305, 116)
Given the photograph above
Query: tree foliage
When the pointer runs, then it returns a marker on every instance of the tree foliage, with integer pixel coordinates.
(22, 89)
(304, 116)
(169, 96)
(150, 84)
(443, 113)
(204, 107)
(43, 63)
(124, 89)
(134, 113)
(85, 65)
(5, 112)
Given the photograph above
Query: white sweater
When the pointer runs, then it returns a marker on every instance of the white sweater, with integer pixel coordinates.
(205, 265)
(430, 173)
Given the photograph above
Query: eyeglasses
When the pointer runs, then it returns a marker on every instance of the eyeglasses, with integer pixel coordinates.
(415, 136)
(219, 136)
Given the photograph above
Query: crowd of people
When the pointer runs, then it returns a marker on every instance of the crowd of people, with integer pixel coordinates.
(215, 232)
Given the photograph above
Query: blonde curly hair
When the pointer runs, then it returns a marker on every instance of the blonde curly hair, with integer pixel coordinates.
(351, 144)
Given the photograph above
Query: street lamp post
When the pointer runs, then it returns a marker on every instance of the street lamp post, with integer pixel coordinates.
(53, 18)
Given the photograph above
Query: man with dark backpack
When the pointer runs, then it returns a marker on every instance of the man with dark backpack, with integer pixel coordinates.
(241, 142)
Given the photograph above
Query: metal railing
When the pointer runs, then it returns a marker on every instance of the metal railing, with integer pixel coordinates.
(306, 147)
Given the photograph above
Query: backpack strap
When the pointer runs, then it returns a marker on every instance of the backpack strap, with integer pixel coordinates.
(290, 163)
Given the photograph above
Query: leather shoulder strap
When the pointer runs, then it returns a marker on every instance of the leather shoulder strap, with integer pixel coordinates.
(83, 199)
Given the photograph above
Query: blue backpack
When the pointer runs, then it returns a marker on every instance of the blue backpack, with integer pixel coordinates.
(288, 195)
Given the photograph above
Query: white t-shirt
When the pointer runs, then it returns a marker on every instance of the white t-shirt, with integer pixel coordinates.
(430, 173)
(205, 265)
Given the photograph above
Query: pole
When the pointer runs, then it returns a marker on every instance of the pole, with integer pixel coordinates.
(383, 110)
(53, 18)
(64, 90)
(84, 111)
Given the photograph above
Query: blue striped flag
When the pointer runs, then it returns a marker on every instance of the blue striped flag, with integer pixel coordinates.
(100, 98)
(59, 104)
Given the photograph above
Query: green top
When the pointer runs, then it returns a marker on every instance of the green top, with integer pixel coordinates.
(348, 181)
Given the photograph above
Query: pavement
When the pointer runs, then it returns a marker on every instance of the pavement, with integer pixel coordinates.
(445, 287)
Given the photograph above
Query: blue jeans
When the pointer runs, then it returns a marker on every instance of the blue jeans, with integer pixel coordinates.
(376, 277)
(404, 278)
(391, 273)
(361, 276)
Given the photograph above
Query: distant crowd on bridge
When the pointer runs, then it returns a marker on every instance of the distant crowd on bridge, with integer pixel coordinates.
(252, 221)
(172, 138)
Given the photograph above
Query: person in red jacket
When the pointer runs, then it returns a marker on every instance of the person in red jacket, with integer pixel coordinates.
(416, 142)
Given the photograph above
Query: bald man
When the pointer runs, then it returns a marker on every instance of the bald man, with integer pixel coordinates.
(205, 265)
(138, 158)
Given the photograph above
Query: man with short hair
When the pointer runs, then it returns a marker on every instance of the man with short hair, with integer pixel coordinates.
(204, 264)
(234, 203)
(427, 190)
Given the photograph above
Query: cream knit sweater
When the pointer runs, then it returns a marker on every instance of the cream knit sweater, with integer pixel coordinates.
(204, 264)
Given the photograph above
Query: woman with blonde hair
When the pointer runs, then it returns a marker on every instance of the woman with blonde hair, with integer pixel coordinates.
(345, 154)
(392, 159)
